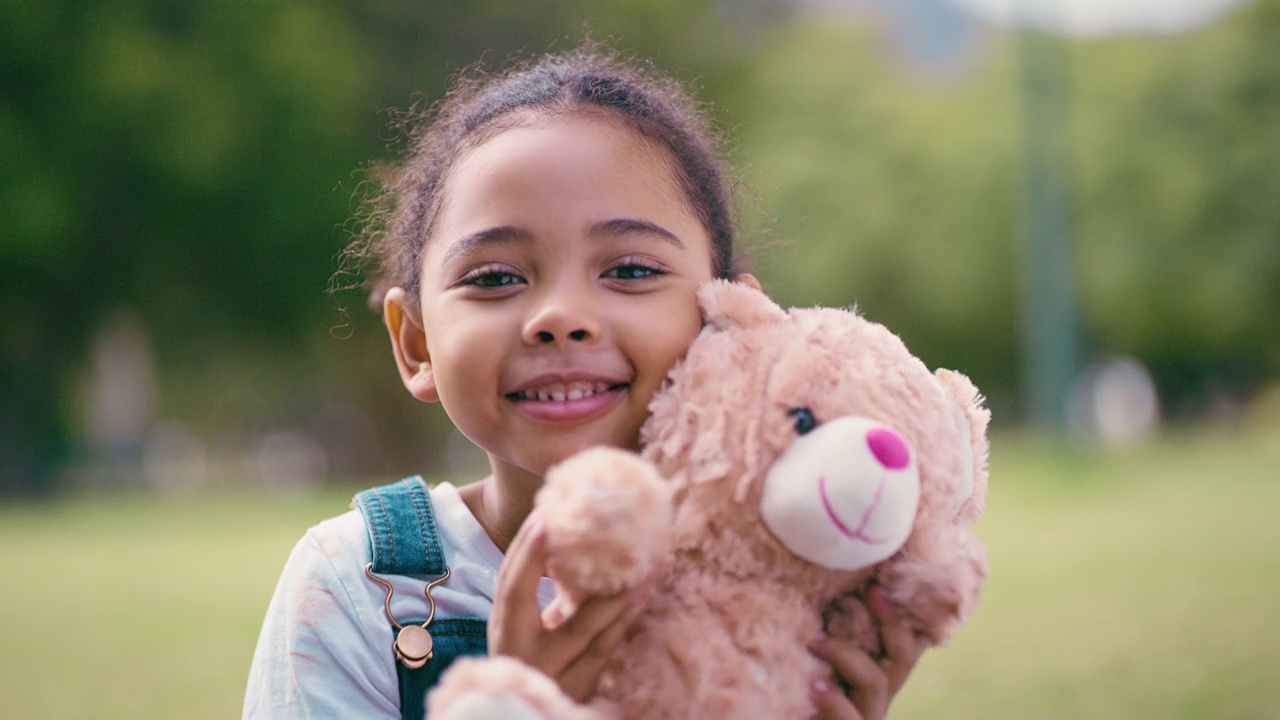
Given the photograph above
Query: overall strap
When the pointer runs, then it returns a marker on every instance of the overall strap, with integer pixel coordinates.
(402, 528)
(403, 541)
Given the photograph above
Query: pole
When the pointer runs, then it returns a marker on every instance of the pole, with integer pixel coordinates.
(1049, 318)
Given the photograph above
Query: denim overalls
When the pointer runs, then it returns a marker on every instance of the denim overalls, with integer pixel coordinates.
(403, 541)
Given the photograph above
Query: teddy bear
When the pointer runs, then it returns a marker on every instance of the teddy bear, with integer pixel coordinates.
(792, 459)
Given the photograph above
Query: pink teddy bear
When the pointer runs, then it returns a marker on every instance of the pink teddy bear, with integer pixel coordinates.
(793, 459)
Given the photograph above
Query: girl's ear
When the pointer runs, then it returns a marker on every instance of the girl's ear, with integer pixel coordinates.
(409, 344)
(738, 303)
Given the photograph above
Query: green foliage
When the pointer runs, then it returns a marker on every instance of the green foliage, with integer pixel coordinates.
(892, 192)
(194, 163)
(1177, 158)
(176, 159)
(898, 189)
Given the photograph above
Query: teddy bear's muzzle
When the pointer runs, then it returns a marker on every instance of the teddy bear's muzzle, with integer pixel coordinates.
(843, 495)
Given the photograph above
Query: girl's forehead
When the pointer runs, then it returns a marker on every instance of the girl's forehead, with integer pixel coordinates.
(558, 169)
(575, 136)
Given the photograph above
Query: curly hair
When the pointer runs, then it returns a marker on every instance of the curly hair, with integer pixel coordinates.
(398, 217)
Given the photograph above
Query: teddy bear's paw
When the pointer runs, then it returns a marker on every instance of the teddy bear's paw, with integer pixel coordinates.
(479, 705)
(607, 516)
(938, 585)
(497, 688)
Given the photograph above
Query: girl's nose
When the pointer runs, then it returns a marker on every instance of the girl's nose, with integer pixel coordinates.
(562, 318)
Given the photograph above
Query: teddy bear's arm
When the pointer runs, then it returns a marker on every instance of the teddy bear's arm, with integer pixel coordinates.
(607, 517)
(937, 581)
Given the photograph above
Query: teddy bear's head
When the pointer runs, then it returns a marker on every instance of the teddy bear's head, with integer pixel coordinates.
(811, 446)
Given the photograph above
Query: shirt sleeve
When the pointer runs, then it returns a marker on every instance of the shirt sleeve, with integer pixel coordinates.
(322, 653)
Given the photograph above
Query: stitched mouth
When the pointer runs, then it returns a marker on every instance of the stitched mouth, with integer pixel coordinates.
(857, 534)
(565, 392)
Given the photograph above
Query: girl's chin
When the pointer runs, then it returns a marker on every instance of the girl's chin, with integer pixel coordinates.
(557, 455)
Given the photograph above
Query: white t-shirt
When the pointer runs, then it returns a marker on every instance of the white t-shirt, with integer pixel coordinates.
(325, 648)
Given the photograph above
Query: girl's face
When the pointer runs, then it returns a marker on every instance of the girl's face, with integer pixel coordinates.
(558, 288)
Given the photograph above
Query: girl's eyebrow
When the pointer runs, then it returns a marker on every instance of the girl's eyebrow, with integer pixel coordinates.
(628, 226)
(499, 235)
(504, 234)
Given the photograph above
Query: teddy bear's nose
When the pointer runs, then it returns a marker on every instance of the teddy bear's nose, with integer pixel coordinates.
(889, 448)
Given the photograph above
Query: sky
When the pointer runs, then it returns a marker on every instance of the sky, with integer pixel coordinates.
(939, 33)
(1097, 18)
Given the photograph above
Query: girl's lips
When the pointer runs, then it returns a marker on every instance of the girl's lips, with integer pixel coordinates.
(559, 391)
(546, 406)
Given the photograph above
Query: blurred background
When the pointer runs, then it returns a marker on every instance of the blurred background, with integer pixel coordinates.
(1088, 203)
(1072, 201)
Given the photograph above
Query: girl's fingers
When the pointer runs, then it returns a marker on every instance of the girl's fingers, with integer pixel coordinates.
(582, 675)
(903, 650)
(572, 650)
(553, 615)
(604, 626)
(901, 646)
(869, 690)
(515, 622)
(525, 556)
(562, 647)
(832, 703)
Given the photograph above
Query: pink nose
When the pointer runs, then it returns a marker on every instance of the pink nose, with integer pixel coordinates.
(889, 448)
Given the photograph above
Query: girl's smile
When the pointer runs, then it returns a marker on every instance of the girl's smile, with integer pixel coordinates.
(558, 287)
(568, 396)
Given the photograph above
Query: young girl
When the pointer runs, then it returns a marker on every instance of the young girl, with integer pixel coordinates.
(538, 256)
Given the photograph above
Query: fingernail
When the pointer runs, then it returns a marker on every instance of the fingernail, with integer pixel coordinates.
(880, 606)
(821, 686)
(535, 524)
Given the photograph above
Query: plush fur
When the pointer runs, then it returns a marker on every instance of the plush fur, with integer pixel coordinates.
(794, 459)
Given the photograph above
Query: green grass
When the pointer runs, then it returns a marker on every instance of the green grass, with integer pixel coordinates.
(139, 608)
(1137, 585)
(1143, 584)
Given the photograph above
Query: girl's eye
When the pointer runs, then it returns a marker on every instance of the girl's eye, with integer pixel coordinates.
(804, 420)
(491, 278)
(632, 271)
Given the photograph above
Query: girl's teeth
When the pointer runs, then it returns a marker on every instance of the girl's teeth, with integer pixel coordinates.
(576, 392)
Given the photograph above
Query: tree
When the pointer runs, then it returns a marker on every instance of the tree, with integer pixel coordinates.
(896, 189)
(194, 162)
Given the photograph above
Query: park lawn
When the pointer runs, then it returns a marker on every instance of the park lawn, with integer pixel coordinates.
(1125, 585)
(1142, 584)
(138, 607)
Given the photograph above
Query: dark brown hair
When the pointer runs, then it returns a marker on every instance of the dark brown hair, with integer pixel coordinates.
(398, 218)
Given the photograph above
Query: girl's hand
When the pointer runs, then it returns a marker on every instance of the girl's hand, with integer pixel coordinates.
(872, 683)
(574, 652)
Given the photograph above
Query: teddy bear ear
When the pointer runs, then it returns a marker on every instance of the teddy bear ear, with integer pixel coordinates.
(971, 418)
(727, 304)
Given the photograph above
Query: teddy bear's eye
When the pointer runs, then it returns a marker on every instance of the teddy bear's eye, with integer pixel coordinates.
(804, 420)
